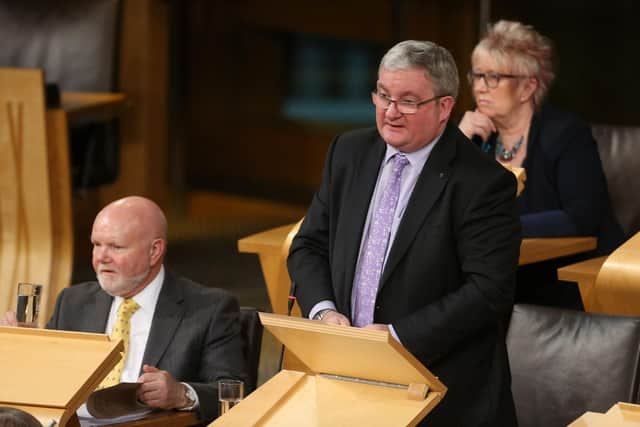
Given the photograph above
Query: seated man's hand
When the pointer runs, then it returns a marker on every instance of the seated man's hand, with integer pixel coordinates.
(334, 318)
(9, 319)
(160, 390)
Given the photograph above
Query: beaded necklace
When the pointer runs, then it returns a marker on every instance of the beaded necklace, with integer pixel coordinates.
(507, 155)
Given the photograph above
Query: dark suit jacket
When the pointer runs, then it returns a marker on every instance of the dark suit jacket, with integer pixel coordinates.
(565, 193)
(195, 332)
(449, 278)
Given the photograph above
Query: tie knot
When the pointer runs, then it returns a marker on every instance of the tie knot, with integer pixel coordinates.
(399, 162)
(127, 308)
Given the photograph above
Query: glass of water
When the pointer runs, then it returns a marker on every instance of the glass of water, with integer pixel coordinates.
(28, 305)
(230, 392)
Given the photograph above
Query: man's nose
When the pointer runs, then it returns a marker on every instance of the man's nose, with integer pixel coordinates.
(392, 110)
(101, 254)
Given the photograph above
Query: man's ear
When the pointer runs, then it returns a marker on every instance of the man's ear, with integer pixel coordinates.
(158, 247)
(446, 106)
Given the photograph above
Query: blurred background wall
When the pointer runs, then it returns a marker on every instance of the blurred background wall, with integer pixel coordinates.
(264, 86)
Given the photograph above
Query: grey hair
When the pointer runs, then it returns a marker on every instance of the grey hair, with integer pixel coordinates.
(436, 61)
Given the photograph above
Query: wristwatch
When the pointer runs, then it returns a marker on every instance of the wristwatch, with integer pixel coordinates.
(320, 315)
(190, 396)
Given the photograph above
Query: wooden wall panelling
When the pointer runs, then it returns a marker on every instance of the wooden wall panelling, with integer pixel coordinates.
(26, 248)
(237, 138)
(143, 77)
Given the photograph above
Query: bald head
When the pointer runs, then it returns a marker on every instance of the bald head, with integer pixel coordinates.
(129, 243)
(137, 212)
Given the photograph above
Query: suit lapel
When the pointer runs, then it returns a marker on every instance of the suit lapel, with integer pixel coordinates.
(97, 314)
(431, 182)
(365, 174)
(168, 315)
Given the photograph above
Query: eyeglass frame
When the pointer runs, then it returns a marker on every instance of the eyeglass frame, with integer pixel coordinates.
(413, 104)
(473, 77)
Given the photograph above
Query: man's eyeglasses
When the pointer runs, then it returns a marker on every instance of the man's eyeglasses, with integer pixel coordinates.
(491, 80)
(405, 107)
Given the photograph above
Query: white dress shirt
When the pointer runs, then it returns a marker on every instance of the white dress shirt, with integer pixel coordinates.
(140, 326)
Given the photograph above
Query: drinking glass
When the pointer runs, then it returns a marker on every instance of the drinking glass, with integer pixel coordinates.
(230, 392)
(28, 305)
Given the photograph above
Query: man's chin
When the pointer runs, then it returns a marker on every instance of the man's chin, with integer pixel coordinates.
(395, 139)
(109, 286)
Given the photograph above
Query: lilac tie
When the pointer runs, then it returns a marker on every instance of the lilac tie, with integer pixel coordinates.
(375, 248)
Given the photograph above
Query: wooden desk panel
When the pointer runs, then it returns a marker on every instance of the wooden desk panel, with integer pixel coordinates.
(163, 419)
(584, 274)
(91, 106)
(545, 248)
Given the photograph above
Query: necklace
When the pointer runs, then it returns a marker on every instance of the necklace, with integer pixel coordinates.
(507, 155)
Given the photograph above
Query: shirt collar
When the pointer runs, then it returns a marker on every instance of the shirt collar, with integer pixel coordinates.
(416, 158)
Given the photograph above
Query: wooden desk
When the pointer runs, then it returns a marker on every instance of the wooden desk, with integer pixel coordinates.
(162, 419)
(85, 106)
(266, 242)
(546, 248)
(269, 247)
(619, 415)
(584, 274)
(155, 419)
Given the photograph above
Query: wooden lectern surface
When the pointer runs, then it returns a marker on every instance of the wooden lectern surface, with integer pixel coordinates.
(53, 370)
(355, 352)
(357, 377)
(619, 415)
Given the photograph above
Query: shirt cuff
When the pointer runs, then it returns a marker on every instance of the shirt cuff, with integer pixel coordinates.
(322, 305)
(196, 403)
(393, 333)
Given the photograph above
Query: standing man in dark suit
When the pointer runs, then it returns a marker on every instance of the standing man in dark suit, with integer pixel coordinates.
(182, 337)
(415, 231)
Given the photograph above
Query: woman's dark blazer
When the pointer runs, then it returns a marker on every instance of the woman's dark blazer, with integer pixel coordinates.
(565, 192)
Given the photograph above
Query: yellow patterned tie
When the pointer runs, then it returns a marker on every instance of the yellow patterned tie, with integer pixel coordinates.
(121, 330)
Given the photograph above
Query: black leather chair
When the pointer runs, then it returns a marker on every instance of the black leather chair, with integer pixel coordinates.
(619, 148)
(565, 362)
(252, 334)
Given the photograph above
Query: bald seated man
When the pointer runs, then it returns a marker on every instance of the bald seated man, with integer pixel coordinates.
(183, 338)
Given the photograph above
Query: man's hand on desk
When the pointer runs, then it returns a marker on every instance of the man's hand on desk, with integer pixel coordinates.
(332, 317)
(160, 390)
(9, 319)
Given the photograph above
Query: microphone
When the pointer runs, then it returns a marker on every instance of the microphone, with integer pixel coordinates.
(291, 300)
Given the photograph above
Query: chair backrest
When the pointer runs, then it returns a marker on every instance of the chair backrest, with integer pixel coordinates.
(565, 362)
(619, 148)
(75, 43)
(252, 334)
(72, 41)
